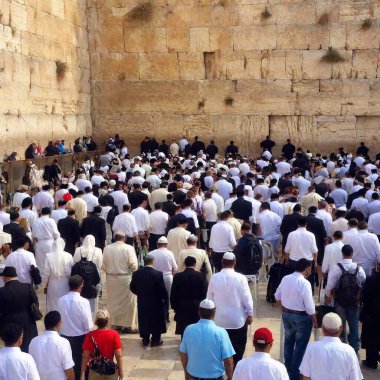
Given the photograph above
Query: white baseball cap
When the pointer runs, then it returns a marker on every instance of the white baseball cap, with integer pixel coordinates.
(332, 321)
(162, 240)
(207, 304)
(229, 256)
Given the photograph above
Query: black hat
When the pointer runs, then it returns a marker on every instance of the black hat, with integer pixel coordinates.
(9, 272)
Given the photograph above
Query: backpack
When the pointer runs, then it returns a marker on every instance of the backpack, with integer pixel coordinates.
(255, 256)
(348, 291)
(89, 272)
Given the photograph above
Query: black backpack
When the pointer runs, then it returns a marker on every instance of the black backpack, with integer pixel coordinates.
(89, 272)
(256, 253)
(348, 291)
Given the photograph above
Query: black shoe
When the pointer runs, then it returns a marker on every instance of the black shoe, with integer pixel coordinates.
(145, 342)
(372, 366)
(156, 344)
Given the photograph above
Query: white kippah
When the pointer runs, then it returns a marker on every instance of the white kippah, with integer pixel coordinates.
(332, 321)
(5, 238)
(207, 304)
(162, 240)
(229, 256)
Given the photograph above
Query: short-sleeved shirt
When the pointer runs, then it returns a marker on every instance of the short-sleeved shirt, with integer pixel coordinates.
(206, 346)
(107, 340)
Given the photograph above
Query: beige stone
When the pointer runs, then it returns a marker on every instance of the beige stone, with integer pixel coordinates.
(159, 66)
(191, 66)
(365, 63)
(313, 68)
(258, 37)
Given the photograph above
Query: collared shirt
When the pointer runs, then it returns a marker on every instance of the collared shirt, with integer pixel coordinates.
(206, 346)
(283, 167)
(295, 293)
(18, 197)
(340, 224)
(126, 223)
(366, 250)
(340, 197)
(200, 256)
(91, 201)
(276, 207)
(189, 213)
(333, 255)
(21, 260)
(60, 355)
(75, 314)
(219, 202)
(260, 366)
(222, 237)
(158, 195)
(43, 199)
(232, 297)
(374, 223)
(82, 183)
(119, 258)
(329, 358)
(349, 236)
(164, 261)
(373, 207)
(120, 199)
(210, 211)
(301, 244)
(45, 228)
(336, 272)
(326, 219)
(158, 221)
(177, 240)
(142, 219)
(360, 204)
(30, 215)
(228, 203)
(302, 185)
(58, 196)
(255, 208)
(17, 365)
(270, 224)
(59, 213)
(224, 188)
(310, 199)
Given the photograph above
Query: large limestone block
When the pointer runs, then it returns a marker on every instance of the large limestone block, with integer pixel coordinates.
(251, 15)
(116, 66)
(374, 101)
(365, 63)
(354, 10)
(319, 37)
(294, 13)
(358, 38)
(305, 86)
(145, 40)
(277, 65)
(146, 97)
(232, 65)
(293, 64)
(367, 129)
(257, 37)
(252, 64)
(312, 67)
(214, 92)
(337, 35)
(159, 66)
(293, 37)
(58, 8)
(168, 127)
(110, 40)
(198, 125)
(343, 69)
(220, 38)
(191, 66)
(318, 104)
(199, 39)
(224, 16)
(178, 38)
(355, 97)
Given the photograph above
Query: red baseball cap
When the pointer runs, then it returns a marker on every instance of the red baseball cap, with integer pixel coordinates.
(67, 197)
(263, 336)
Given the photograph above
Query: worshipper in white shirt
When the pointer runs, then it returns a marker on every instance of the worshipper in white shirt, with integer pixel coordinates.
(43, 199)
(60, 212)
(177, 237)
(374, 224)
(219, 201)
(158, 221)
(333, 252)
(82, 182)
(222, 239)
(260, 366)
(224, 187)
(366, 248)
(27, 212)
(269, 223)
(58, 272)
(298, 315)
(22, 260)
(301, 183)
(276, 206)
(164, 262)
(126, 223)
(350, 312)
(90, 199)
(229, 201)
(340, 223)
(60, 365)
(374, 206)
(76, 317)
(189, 213)
(339, 194)
(230, 292)
(14, 364)
(329, 358)
(283, 167)
(97, 178)
(141, 216)
(360, 204)
(45, 231)
(350, 235)
(153, 179)
(119, 197)
(324, 216)
(20, 194)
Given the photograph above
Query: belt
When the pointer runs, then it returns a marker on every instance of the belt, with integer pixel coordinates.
(118, 274)
(206, 378)
(285, 310)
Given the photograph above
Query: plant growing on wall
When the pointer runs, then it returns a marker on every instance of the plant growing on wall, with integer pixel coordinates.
(265, 14)
(61, 69)
(142, 12)
(324, 19)
(332, 56)
(367, 24)
(201, 104)
(228, 101)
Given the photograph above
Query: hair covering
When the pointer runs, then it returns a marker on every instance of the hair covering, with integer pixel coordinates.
(58, 259)
(87, 248)
(102, 314)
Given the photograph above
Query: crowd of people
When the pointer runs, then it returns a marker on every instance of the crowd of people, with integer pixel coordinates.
(183, 227)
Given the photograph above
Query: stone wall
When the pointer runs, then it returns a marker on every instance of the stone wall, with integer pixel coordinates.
(35, 106)
(170, 75)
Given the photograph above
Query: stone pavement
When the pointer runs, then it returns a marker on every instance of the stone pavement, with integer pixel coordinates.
(162, 363)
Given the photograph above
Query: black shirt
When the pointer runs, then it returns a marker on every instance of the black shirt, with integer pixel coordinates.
(242, 209)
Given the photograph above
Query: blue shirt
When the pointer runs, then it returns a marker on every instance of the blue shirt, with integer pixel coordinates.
(206, 346)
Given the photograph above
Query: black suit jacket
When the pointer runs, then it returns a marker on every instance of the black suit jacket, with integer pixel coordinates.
(96, 226)
(70, 232)
(317, 228)
(16, 231)
(149, 287)
(288, 225)
(188, 290)
(242, 209)
(169, 207)
(136, 198)
(173, 223)
(16, 299)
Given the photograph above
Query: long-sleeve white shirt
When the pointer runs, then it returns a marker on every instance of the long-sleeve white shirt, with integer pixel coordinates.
(120, 199)
(270, 224)
(22, 261)
(126, 223)
(222, 238)
(374, 223)
(301, 244)
(17, 365)
(142, 219)
(233, 300)
(45, 228)
(43, 199)
(333, 255)
(158, 221)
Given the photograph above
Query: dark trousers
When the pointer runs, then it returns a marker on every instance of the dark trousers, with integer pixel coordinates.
(153, 238)
(372, 356)
(209, 225)
(76, 343)
(208, 378)
(216, 259)
(238, 339)
(129, 240)
(156, 338)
